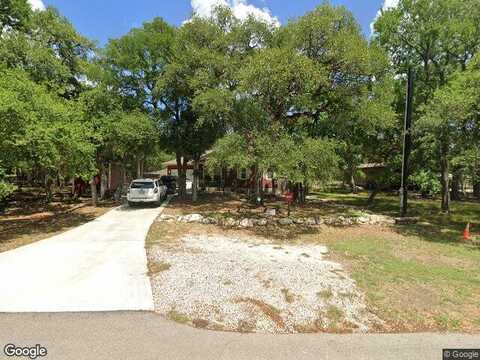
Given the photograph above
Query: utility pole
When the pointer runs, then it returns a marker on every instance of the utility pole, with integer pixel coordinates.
(407, 144)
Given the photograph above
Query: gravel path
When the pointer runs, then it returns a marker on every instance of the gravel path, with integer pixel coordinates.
(245, 284)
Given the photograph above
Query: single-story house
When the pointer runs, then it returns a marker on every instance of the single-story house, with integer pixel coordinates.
(231, 179)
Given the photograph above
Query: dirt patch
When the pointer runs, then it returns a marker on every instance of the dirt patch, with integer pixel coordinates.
(23, 225)
(270, 311)
(237, 206)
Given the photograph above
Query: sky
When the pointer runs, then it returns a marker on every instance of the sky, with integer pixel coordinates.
(101, 20)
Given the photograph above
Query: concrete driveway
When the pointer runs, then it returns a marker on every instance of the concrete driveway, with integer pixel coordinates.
(99, 266)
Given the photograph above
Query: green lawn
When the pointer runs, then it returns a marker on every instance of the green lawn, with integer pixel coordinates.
(416, 277)
(433, 225)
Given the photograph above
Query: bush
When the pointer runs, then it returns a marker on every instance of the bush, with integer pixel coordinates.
(427, 183)
(5, 189)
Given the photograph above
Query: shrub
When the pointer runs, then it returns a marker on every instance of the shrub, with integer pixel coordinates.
(427, 183)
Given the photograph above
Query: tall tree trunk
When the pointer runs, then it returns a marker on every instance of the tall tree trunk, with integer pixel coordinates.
(103, 181)
(139, 168)
(182, 176)
(93, 188)
(456, 184)
(351, 180)
(301, 193)
(476, 183)
(74, 194)
(258, 187)
(124, 175)
(196, 175)
(373, 194)
(444, 166)
(48, 188)
(476, 189)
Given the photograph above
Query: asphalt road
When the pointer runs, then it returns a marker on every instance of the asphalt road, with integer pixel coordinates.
(147, 336)
(99, 266)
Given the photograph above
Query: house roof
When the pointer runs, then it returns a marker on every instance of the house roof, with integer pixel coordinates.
(173, 162)
(372, 166)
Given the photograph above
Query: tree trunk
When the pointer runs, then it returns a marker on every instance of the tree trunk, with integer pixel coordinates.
(456, 184)
(476, 189)
(125, 178)
(351, 177)
(93, 187)
(351, 181)
(373, 194)
(48, 189)
(258, 187)
(196, 174)
(139, 168)
(74, 195)
(444, 166)
(301, 193)
(103, 181)
(182, 177)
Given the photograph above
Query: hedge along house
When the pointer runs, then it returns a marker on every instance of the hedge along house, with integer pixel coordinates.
(240, 180)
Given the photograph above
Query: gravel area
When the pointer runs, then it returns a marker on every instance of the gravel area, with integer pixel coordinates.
(250, 285)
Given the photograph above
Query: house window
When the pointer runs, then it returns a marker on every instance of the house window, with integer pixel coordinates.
(243, 174)
(269, 175)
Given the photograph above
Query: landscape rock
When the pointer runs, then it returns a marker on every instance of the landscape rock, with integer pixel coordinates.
(285, 221)
(270, 211)
(230, 222)
(342, 220)
(261, 222)
(167, 218)
(329, 221)
(247, 223)
(363, 219)
(191, 218)
(209, 220)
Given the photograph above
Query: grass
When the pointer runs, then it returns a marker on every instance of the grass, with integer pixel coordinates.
(334, 314)
(448, 323)
(288, 295)
(155, 267)
(410, 281)
(325, 294)
(416, 277)
(178, 317)
(433, 224)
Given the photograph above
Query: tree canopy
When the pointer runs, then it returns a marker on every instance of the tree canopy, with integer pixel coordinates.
(309, 100)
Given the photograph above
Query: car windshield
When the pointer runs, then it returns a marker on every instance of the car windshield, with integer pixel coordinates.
(142, 185)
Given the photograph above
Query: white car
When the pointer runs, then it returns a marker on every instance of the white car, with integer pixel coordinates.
(143, 191)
